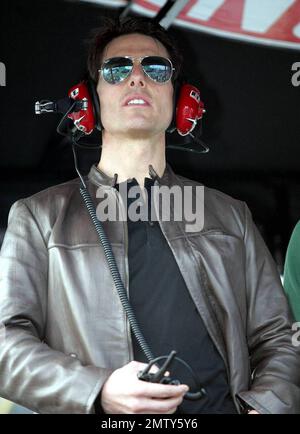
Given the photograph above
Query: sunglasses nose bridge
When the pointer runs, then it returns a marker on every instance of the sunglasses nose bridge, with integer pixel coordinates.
(137, 71)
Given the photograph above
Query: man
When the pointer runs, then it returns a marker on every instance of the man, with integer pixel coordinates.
(213, 294)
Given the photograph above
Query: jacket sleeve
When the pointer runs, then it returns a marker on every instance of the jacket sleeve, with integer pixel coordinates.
(31, 373)
(292, 272)
(274, 355)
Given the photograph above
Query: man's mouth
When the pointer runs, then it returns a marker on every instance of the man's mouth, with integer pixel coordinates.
(137, 102)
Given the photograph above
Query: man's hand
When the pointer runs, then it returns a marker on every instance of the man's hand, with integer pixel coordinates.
(123, 392)
(253, 412)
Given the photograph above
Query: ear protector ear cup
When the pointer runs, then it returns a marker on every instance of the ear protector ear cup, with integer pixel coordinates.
(188, 108)
(86, 117)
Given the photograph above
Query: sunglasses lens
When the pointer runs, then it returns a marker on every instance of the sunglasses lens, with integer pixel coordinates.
(116, 69)
(158, 69)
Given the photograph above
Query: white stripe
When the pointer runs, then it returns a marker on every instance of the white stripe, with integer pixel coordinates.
(170, 16)
(260, 15)
(296, 30)
(205, 9)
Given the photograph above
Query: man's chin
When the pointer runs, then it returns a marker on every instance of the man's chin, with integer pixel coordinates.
(139, 133)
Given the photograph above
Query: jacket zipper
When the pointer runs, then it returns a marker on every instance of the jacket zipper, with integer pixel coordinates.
(127, 325)
(126, 276)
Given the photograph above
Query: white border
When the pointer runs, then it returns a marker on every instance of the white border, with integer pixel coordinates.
(112, 3)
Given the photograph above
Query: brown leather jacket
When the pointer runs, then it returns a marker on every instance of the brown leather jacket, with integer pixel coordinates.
(63, 329)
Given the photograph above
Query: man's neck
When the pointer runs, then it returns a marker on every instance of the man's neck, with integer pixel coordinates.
(131, 158)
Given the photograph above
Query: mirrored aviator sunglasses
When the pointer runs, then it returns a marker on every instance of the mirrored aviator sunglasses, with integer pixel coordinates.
(117, 69)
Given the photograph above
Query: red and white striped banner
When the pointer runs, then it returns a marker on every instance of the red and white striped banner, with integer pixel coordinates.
(272, 22)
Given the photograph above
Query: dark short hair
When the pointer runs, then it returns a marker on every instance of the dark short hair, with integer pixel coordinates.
(113, 28)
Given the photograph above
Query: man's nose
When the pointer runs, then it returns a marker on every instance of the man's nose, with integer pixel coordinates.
(137, 76)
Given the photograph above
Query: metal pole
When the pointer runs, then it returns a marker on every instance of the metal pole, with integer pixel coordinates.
(169, 12)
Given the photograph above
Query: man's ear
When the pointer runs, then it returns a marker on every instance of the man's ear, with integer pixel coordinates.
(92, 86)
(176, 90)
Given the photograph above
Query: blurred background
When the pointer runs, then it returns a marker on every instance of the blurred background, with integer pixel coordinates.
(243, 56)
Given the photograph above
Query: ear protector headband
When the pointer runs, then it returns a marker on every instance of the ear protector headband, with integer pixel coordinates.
(82, 107)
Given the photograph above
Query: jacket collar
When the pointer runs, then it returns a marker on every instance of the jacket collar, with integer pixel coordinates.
(98, 177)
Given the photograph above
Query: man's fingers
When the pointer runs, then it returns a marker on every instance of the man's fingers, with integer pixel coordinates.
(157, 390)
(157, 406)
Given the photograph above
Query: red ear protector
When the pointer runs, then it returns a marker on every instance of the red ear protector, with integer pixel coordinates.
(83, 108)
(88, 117)
(189, 109)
